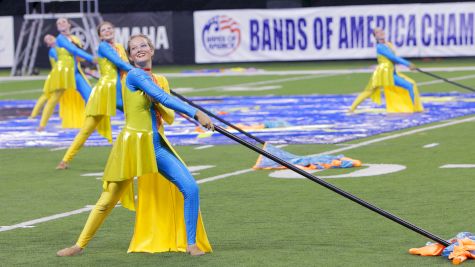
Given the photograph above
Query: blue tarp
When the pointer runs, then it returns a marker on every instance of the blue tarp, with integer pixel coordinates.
(315, 119)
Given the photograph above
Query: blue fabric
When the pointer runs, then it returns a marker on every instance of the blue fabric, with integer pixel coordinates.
(63, 41)
(105, 50)
(177, 173)
(82, 86)
(401, 82)
(53, 54)
(138, 79)
(309, 119)
(384, 50)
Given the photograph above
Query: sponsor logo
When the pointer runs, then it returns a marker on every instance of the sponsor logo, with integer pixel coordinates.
(221, 36)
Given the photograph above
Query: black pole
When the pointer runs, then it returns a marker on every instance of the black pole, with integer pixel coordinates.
(445, 80)
(218, 118)
(333, 188)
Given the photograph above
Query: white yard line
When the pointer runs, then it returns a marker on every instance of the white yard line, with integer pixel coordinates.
(203, 147)
(259, 73)
(21, 92)
(450, 79)
(300, 78)
(226, 175)
(59, 148)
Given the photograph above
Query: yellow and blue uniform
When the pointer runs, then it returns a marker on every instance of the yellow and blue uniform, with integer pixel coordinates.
(105, 96)
(401, 92)
(69, 87)
(53, 57)
(142, 150)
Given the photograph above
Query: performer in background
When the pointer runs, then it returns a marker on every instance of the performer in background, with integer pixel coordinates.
(142, 150)
(400, 91)
(50, 42)
(106, 95)
(71, 88)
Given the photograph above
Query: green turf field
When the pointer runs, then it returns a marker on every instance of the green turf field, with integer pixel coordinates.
(253, 219)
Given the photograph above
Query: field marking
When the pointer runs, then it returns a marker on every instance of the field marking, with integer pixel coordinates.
(431, 145)
(372, 170)
(459, 78)
(21, 92)
(222, 176)
(203, 147)
(59, 148)
(299, 78)
(259, 73)
(453, 166)
(321, 74)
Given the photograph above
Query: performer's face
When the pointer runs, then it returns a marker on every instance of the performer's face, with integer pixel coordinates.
(379, 35)
(106, 32)
(50, 40)
(140, 51)
(63, 25)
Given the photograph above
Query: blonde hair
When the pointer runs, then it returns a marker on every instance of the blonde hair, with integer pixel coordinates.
(149, 42)
(102, 24)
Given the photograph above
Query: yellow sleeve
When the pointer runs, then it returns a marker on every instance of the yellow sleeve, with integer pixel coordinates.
(168, 115)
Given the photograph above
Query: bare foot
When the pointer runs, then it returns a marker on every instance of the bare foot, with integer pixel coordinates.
(40, 129)
(71, 251)
(193, 250)
(63, 165)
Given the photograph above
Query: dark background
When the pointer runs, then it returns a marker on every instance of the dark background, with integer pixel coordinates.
(17, 7)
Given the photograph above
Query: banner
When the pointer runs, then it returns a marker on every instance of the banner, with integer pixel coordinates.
(416, 30)
(6, 42)
(156, 25)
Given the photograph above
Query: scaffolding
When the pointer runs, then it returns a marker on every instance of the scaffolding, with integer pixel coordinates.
(33, 28)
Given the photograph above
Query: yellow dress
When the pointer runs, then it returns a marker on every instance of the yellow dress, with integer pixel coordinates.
(159, 223)
(71, 105)
(102, 100)
(397, 99)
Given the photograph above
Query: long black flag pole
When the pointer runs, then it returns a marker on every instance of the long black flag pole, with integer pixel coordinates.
(217, 117)
(333, 188)
(445, 80)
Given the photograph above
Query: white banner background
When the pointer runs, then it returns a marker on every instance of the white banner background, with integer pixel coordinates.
(6, 41)
(417, 30)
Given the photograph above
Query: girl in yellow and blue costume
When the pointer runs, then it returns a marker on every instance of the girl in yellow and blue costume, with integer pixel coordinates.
(142, 150)
(401, 92)
(69, 87)
(106, 94)
(50, 41)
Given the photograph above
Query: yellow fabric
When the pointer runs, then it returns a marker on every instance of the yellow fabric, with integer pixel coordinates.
(107, 201)
(39, 104)
(90, 124)
(62, 74)
(48, 110)
(159, 222)
(71, 109)
(397, 99)
(103, 96)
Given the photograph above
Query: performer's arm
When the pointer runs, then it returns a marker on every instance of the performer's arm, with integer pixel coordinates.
(106, 50)
(138, 79)
(62, 41)
(386, 51)
(53, 56)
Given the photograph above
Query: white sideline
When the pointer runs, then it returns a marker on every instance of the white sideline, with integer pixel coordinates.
(260, 73)
(222, 176)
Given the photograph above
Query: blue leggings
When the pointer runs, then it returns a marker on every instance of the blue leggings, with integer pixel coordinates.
(82, 86)
(401, 82)
(174, 170)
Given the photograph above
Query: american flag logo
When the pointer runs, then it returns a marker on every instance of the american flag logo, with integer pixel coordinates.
(221, 35)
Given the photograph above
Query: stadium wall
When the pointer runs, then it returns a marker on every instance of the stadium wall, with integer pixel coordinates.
(328, 33)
